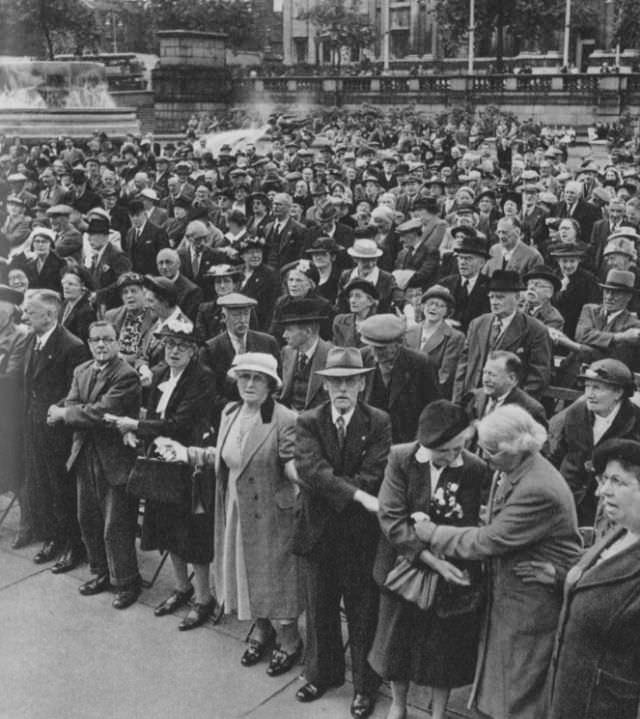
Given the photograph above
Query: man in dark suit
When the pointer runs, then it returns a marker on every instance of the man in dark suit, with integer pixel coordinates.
(403, 381)
(500, 379)
(51, 355)
(105, 264)
(505, 328)
(106, 385)
(572, 205)
(417, 254)
(218, 353)
(534, 226)
(303, 355)
(469, 287)
(341, 451)
(365, 254)
(285, 237)
(143, 241)
(196, 258)
(189, 294)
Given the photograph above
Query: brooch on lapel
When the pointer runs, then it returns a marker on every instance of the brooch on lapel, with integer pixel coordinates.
(422, 455)
(106, 268)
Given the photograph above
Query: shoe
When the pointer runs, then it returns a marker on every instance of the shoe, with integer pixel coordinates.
(198, 615)
(281, 661)
(71, 559)
(256, 650)
(128, 595)
(50, 550)
(95, 586)
(22, 540)
(362, 706)
(174, 601)
(310, 692)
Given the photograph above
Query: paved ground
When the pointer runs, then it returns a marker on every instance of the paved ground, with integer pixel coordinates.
(65, 656)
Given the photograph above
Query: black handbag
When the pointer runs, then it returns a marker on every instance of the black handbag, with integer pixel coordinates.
(413, 583)
(154, 479)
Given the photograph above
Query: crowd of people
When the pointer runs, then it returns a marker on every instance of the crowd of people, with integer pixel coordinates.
(361, 368)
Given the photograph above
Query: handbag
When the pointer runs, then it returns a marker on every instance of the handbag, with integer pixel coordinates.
(153, 478)
(453, 600)
(413, 583)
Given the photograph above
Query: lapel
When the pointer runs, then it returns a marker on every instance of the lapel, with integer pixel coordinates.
(437, 338)
(28, 353)
(400, 376)
(510, 481)
(226, 421)
(255, 439)
(102, 380)
(317, 362)
(284, 235)
(288, 369)
(619, 568)
(483, 331)
(517, 257)
(49, 351)
(514, 332)
(419, 482)
(355, 439)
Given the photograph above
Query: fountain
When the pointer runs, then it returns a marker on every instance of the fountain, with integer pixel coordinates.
(40, 99)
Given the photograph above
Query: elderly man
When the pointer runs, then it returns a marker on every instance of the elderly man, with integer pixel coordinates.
(403, 381)
(602, 229)
(505, 328)
(510, 253)
(196, 257)
(416, 254)
(13, 341)
(469, 285)
(366, 253)
(133, 321)
(604, 412)
(500, 379)
(144, 240)
(189, 294)
(542, 284)
(102, 463)
(341, 451)
(156, 215)
(534, 227)
(304, 353)
(573, 205)
(68, 238)
(218, 352)
(51, 355)
(105, 264)
(610, 329)
(52, 191)
(285, 236)
(530, 515)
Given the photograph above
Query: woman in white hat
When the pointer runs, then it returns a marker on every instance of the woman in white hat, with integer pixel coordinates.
(255, 570)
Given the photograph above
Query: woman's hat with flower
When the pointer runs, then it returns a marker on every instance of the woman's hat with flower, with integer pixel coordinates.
(180, 328)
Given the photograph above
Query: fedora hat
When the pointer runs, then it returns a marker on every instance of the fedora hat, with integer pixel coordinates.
(542, 272)
(343, 362)
(262, 362)
(471, 243)
(610, 371)
(381, 330)
(505, 281)
(621, 280)
(180, 328)
(364, 249)
(8, 294)
(439, 422)
(305, 309)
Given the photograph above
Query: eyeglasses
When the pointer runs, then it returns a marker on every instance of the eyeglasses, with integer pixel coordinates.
(175, 345)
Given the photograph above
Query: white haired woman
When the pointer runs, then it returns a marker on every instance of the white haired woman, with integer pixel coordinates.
(530, 515)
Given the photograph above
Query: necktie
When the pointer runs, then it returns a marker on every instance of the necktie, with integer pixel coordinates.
(496, 331)
(464, 288)
(94, 261)
(504, 262)
(302, 362)
(490, 406)
(195, 264)
(341, 430)
(93, 379)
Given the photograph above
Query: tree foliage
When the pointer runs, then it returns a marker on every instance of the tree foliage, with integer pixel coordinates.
(342, 25)
(233, 17)
(626, 23)
(49, 27)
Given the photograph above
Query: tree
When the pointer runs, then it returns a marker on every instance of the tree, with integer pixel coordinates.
(342, 25)
(626, 23)
(59, 25)
(233, 17)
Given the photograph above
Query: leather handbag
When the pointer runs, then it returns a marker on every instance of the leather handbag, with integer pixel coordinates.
(412, 582)
(154, 479)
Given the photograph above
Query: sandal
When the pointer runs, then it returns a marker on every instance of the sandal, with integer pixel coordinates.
(281, 661)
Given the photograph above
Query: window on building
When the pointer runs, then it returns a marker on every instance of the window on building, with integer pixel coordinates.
(301, 48)
(326, 52)
(399, 44)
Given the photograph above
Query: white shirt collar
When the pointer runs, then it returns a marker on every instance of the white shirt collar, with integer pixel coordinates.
(506, 321)
(346, 416)
(471, 281)
(41, 340)
(312, 350)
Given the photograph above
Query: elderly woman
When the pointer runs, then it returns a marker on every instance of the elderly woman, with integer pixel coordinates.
(596, 666)
(323, 253)
(435, 338)
(209, 320)
(362, 297)
(255, 570)
(301, 279)
(258, 280)
(77, 312)
(259, 217)
(45, 267)
(530, 515)
(180, 396)
(436, 646)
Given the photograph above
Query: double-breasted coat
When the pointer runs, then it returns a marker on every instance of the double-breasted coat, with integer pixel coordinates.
(595, 671)
(531, 517)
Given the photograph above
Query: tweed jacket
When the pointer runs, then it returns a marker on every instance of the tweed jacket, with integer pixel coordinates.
(594, 330)
(523, 259)
(443, 349)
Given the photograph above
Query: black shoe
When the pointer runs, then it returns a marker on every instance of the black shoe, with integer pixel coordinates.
(69, 560)
(50, 550)
(362, 706)
(127, 595)
(22, 540)
(310, 692)
(95, 586)
(198, 615)
(281, 661)
(256, 650)
(174, 601)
